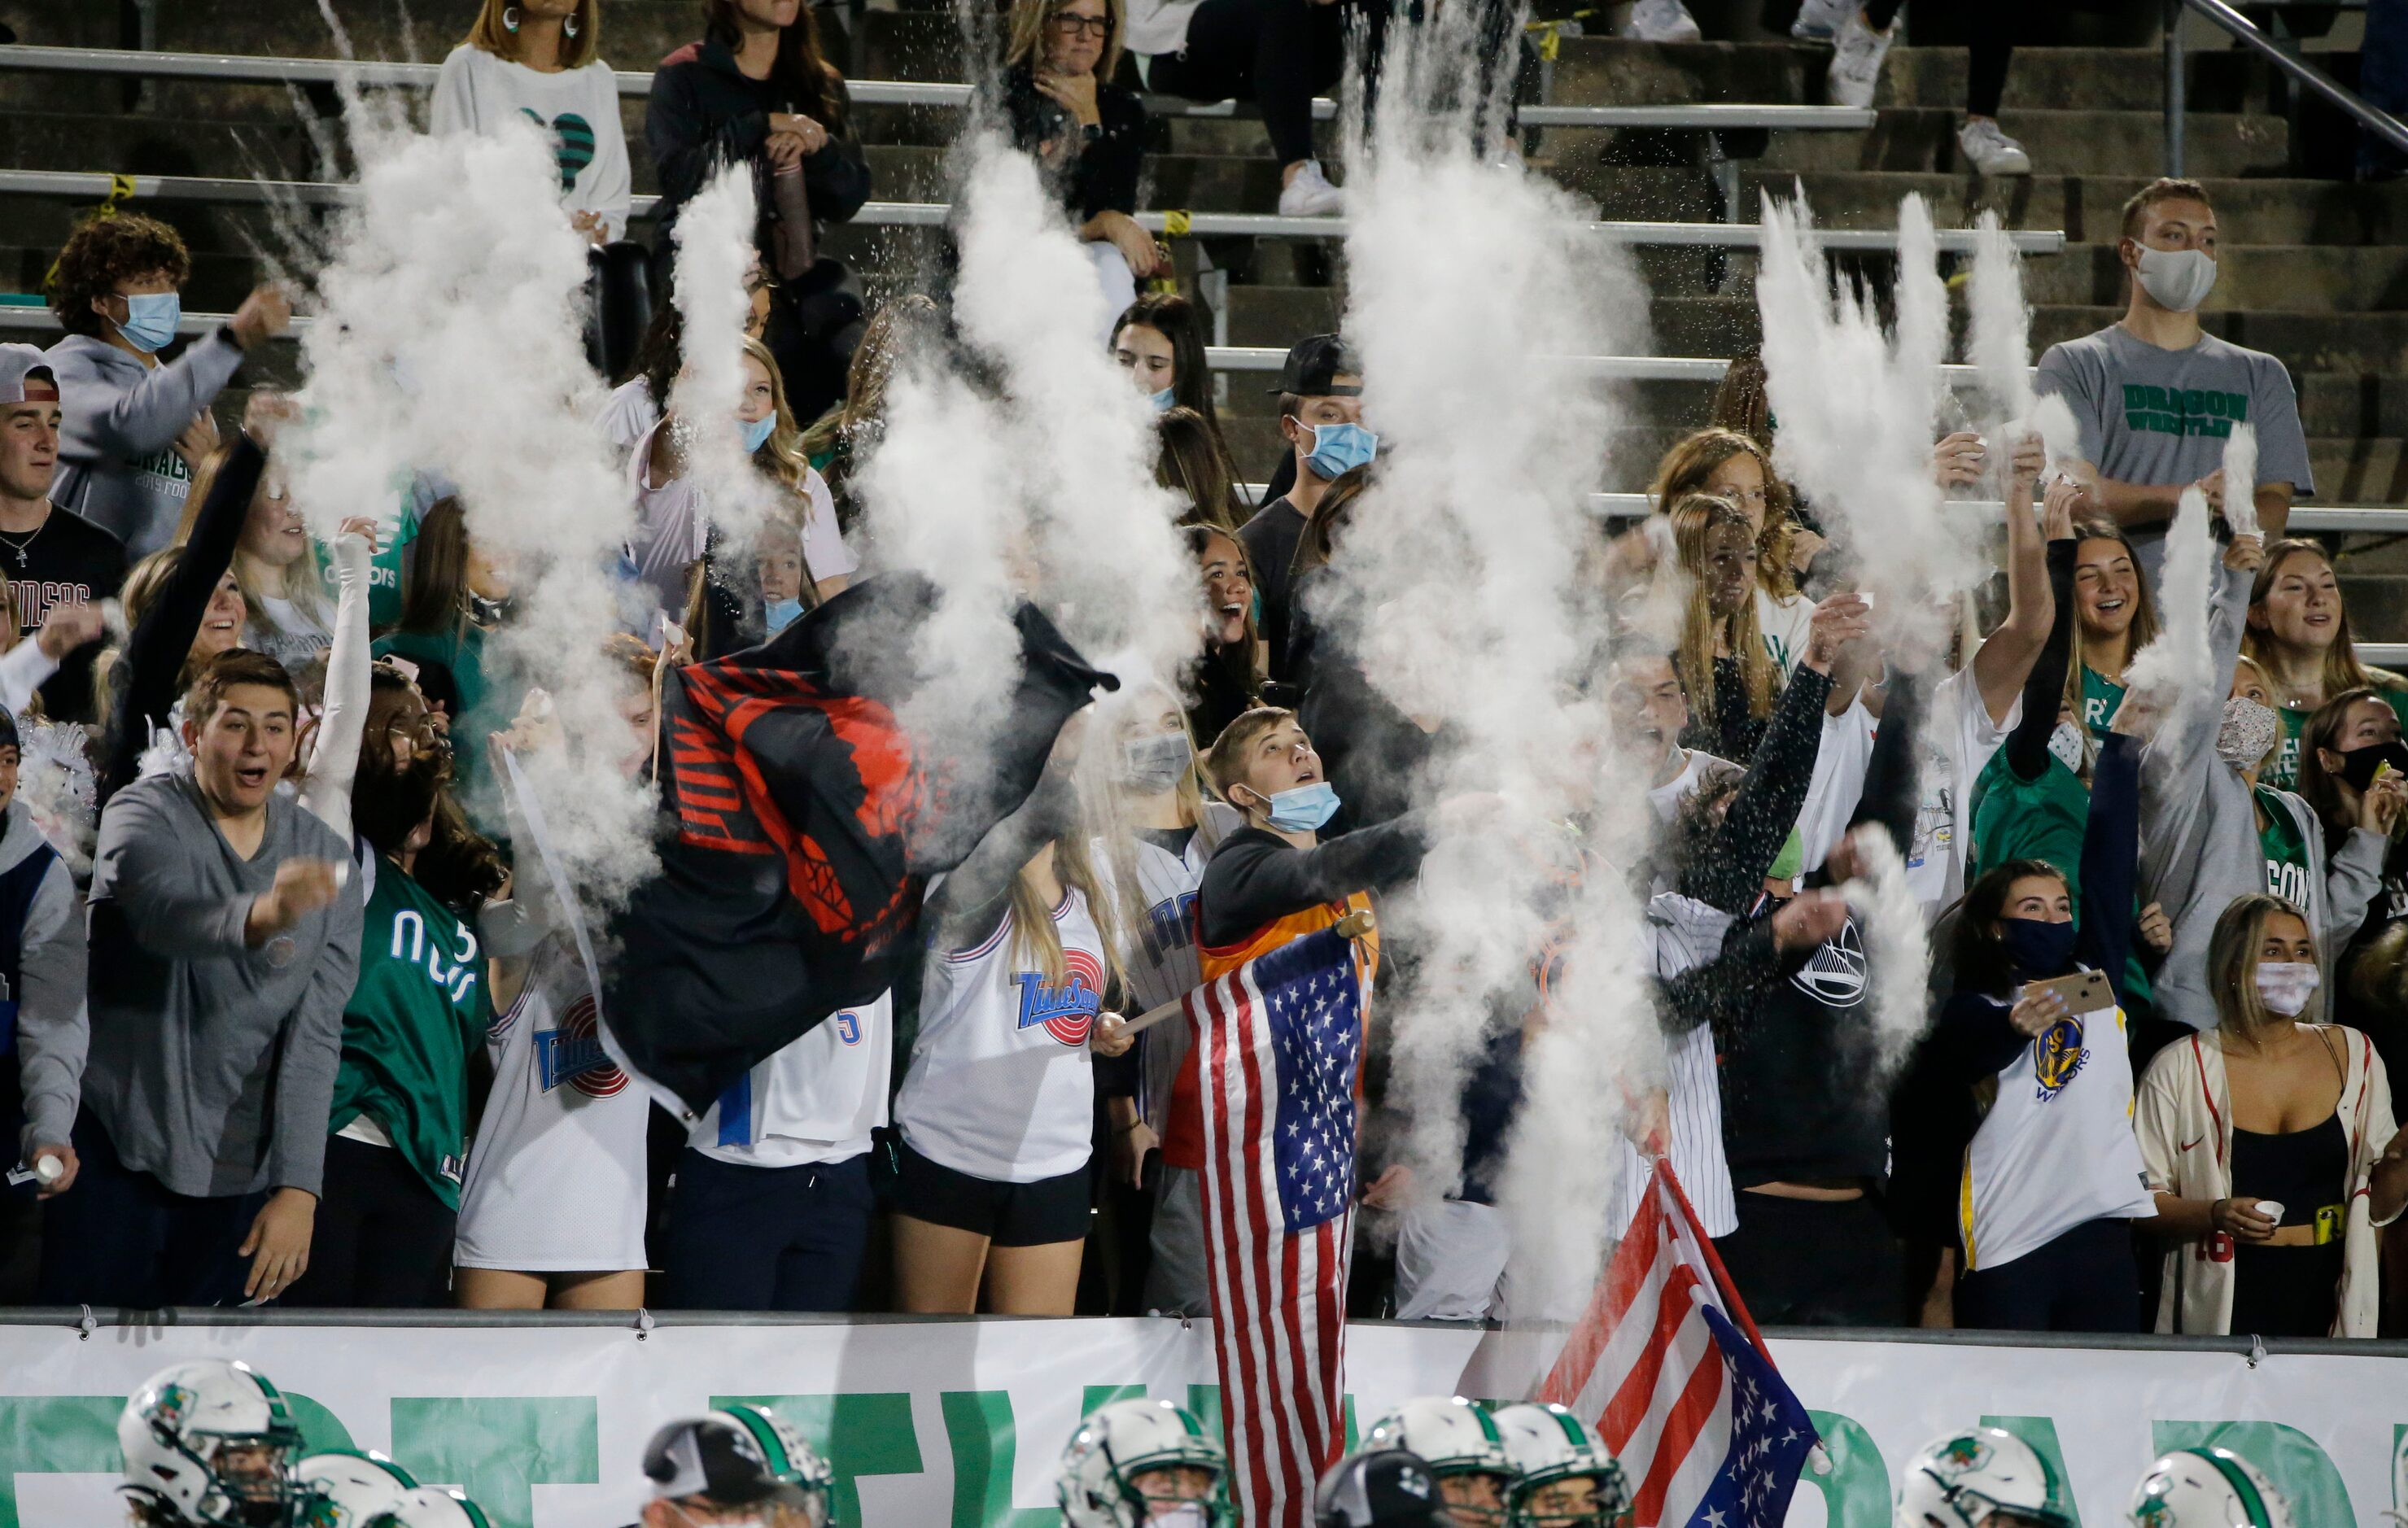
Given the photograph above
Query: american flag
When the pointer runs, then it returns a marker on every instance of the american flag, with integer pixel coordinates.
(1675, 1377)
(1277, 1047)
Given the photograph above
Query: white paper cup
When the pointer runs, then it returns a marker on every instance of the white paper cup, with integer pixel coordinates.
(2272, 1209)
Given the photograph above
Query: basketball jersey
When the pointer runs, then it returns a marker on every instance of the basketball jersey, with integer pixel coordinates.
(556, 1175)
(1159, 956)
(815, 1100)
(2056, 1149)
(1001, 1085)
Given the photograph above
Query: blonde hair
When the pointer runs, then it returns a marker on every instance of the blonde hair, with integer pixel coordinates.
(1698, 456)
(2232, 961)
(1035, 940)
(488, 34)
(1025, 43)
(1694, 518)
(300, 584)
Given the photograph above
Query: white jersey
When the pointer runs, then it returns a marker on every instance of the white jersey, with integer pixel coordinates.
(2056, 1149)
(816, 1100)
(1683, 933)
(555, 1177)
(1001, 1085)
(1159, 954)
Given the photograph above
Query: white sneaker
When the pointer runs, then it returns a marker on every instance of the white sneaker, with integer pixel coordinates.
(1818, 21)
(1856, 55)
(1662, 20)
(1991, 151)
(1310, 195)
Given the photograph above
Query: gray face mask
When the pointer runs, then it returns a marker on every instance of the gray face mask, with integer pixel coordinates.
(1150, 765)
(2248, 732)
(2178, 280)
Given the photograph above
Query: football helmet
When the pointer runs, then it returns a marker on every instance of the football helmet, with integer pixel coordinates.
(1548, 1446)
(212, 1443)
(2207, 1488)
(1960, 1481)
(1457, 1439)
(1101, 1485)
(351, 1488)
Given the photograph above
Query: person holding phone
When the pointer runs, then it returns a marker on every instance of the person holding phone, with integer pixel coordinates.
(2034, 1030)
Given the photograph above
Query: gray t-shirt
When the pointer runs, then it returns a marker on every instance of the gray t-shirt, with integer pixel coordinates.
(2157, 417)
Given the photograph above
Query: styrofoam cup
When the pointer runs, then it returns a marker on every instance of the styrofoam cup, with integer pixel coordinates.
(2272, 1209)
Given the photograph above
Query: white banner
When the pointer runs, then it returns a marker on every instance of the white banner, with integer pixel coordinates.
(956, 1423)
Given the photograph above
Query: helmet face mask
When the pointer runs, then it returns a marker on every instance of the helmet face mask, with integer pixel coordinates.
(212, 1444)
(1476, 1498)
(1585, 1500)
(1137, 1461)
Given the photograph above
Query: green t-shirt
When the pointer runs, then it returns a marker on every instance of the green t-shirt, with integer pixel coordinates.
(2042, 820)
(2286, 849)
(2100, 695)
(418, 1008)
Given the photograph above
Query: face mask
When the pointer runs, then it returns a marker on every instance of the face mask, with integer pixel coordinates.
(2359, 764)
(2038, 949)
(2249, 730)
(1154, 764)
(2179, 279)
(757, 434)
(1304, 809)
(2286, 985)
(781, 614)
(151, 321)
(2066, 743)
(1164, 402)
(1337, 448)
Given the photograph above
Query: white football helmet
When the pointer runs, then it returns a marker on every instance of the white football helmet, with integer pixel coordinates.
(351, 1488)
(433, 1506)
(1454, 1436)
(1098, 1487)
(1979, 1476)
(2207, 1488)
(211, 1443)
(1547, 1444)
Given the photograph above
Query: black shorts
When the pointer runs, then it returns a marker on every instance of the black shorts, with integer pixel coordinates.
(1053, 1209)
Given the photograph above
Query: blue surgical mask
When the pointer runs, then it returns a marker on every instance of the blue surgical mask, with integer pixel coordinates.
(1338, 448)
(151, 320)
(1164, 401)
(781, 614)
(1305, 809)
(757, 434)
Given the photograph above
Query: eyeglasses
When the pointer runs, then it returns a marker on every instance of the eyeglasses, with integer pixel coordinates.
(1098, 27)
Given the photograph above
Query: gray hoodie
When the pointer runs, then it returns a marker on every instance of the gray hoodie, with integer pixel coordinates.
(2199, 848)
(117, 466)
(53, 1027)
(212, 1064)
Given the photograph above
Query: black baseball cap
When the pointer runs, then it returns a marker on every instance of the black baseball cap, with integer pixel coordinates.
(1314, 366)
(732, 1458)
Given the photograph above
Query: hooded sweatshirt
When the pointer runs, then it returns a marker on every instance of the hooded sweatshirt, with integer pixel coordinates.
(117, 466)
(2200, 847)
(52, 1029)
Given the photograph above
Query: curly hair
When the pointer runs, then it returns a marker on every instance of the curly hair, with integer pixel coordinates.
(104, 252)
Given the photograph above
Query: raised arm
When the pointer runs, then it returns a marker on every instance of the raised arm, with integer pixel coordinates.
(326, 788)
(1260, 882)
(2111, 858)
(2027, 747)
(967, 906)
(2006, 659)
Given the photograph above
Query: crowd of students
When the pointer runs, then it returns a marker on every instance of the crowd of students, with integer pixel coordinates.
(292, 1018)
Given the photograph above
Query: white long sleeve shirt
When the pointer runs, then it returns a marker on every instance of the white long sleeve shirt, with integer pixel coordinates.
(577, 108)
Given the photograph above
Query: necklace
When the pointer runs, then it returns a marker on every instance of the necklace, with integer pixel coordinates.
(31, 536)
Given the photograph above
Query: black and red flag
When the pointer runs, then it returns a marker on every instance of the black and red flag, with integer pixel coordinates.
(800, 824)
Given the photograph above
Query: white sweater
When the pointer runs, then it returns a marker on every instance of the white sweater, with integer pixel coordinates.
(579, 109)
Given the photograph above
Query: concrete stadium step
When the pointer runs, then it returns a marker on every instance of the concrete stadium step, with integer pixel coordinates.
(2303, 278)
(2077, 142)
(2100, 78)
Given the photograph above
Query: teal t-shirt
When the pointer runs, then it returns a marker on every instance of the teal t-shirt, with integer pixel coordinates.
(2100, 695)
(2282, 773)
(2043, 819)
(2285, 849)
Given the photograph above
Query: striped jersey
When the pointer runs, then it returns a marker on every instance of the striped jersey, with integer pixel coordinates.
(2057, 1148)
(1001, 1085)
(1683, 933)
(815, 1100)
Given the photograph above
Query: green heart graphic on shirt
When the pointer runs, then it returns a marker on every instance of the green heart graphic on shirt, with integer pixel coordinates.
(572, 143)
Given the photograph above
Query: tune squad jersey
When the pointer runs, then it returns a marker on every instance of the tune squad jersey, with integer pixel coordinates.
(557, 1176)
(2056, 1149)
(1160, 955)
(815, 1100)
(1001, 1085)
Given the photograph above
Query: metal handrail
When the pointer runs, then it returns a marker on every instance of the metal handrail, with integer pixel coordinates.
(901, 92)
(202, 189)
(2373, 119)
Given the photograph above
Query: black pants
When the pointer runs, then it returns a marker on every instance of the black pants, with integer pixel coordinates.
(382, 1239)
(120, 1238)
(1990, 39)
(1807, 1263)
(1277, 54)
(2083, 1281)
(767, 1238)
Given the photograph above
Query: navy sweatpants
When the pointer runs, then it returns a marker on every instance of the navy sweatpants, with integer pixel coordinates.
(767, 1238)
(120, 1238)
(2083, 1281)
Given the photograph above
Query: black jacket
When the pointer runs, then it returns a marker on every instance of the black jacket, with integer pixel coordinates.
(1101, 176)
(705, 113)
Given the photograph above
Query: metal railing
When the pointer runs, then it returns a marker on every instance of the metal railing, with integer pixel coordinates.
(250, 68)
(2381, 123)
(1176, 224)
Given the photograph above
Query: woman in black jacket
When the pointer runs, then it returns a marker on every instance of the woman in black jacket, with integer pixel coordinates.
(757, 90)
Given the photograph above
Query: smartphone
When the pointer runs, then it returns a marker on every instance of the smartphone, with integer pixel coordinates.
(2084, 991)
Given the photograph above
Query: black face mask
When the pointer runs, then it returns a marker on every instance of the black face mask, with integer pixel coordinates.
(2359, 764)
(2038, 949)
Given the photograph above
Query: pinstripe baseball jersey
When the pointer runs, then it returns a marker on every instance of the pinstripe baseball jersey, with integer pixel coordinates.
(1683, 933)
